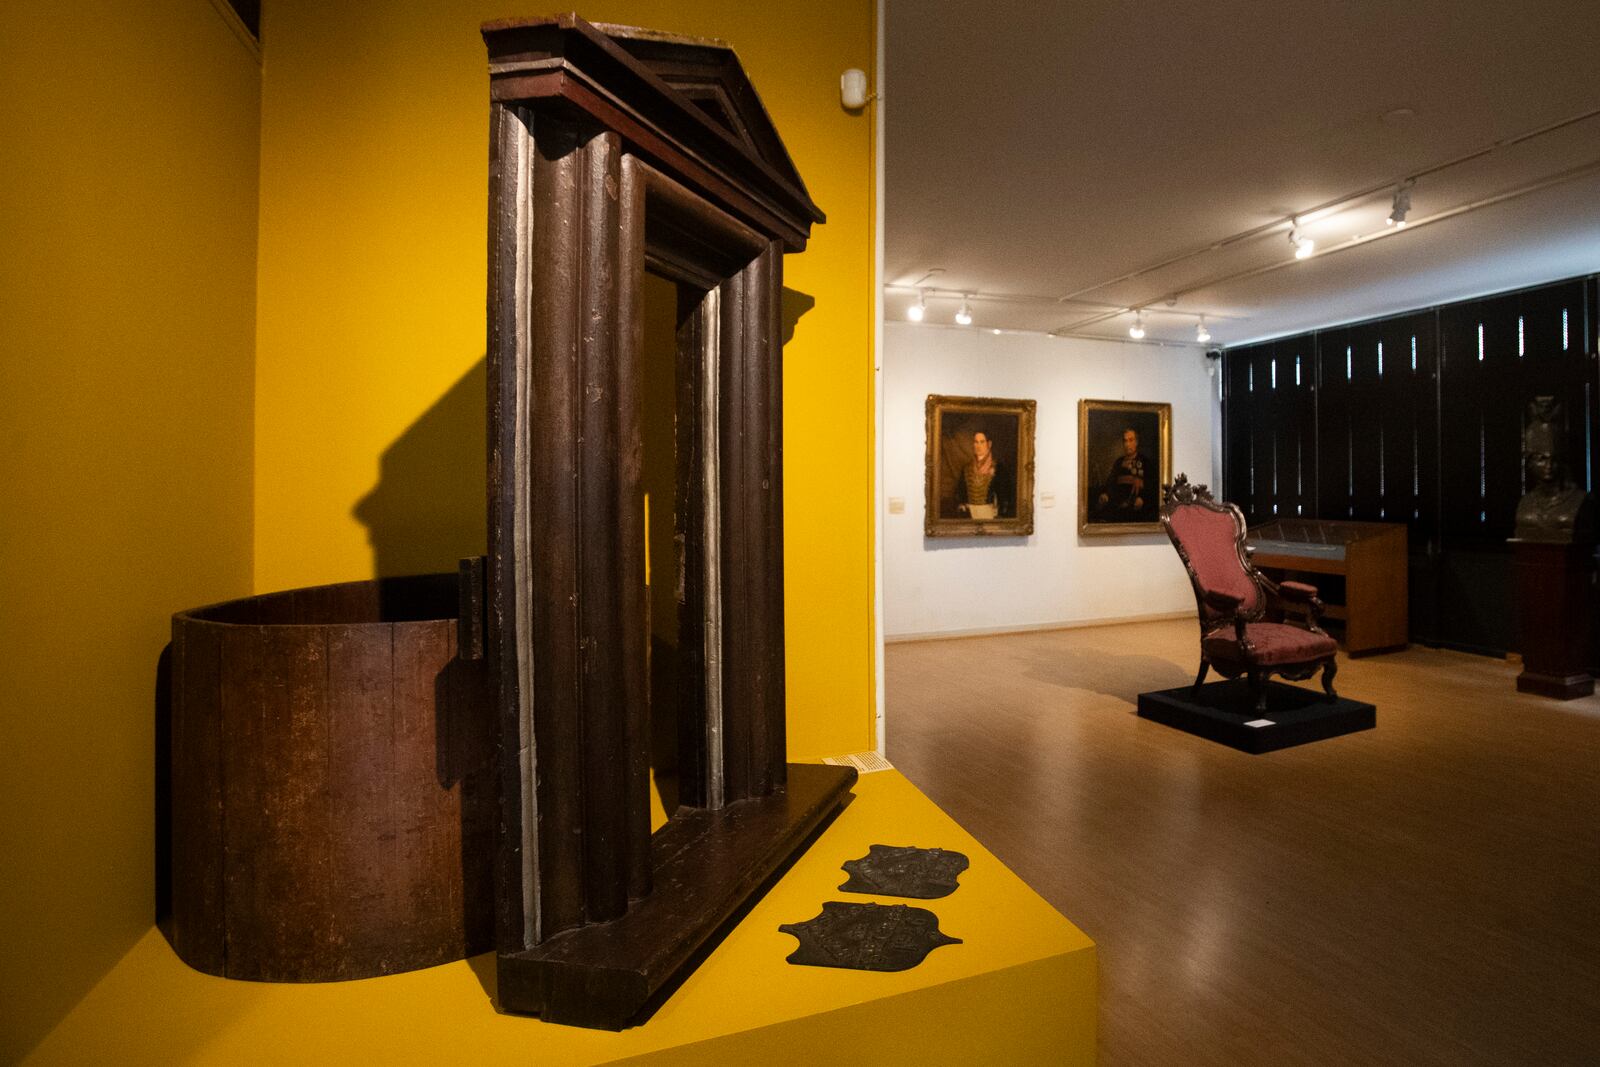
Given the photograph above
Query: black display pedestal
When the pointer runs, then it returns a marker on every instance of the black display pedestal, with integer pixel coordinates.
(1223, 712)
(1553, 617)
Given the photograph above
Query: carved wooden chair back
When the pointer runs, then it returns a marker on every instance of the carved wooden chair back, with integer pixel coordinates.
(1209, 536)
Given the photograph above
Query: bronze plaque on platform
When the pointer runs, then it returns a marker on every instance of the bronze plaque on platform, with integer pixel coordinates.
(905, 871)
(867, 937)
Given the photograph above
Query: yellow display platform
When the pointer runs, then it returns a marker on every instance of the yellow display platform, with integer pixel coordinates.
(1020, 989)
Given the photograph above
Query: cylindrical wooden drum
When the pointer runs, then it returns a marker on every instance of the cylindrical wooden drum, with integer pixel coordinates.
(332, 784)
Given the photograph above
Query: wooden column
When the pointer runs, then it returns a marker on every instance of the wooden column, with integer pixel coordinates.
(574, 582)
(752, 525)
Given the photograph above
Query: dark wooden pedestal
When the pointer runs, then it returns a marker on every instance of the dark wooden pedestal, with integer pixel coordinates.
(707, 866)
(1553, 607)
(1225, 712)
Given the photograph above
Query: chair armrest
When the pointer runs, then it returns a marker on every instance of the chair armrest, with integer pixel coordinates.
(1227, 603)
(1302, 597)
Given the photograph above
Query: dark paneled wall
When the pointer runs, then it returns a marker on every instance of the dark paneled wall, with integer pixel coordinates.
(1417, 418)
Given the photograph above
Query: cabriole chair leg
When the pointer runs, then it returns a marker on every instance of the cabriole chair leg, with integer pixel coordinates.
(1328, 672)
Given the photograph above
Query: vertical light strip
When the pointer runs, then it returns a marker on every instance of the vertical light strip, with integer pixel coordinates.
(1480, 342)
(1588, 439)
(1566, 330)
(1350, 465)
(1416, 476)
(1250, 377)
(1383, 480)
(1522, 337)
(1416, 466)
(711, 486)
(1272, 369)
(1413, 352)
(1348, 364)
(1297, 371)
(1483, 469)
(1380, 359)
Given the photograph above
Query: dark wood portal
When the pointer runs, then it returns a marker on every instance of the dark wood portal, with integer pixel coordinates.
(616, 151)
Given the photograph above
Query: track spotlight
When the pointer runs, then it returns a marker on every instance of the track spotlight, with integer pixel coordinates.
(915, 312)
(1303, 245)
(1136, 331)
(1402, 205)
(964, 316)
(1201, 334)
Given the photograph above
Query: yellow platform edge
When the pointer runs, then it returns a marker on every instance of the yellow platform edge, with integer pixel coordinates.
(1020, 989)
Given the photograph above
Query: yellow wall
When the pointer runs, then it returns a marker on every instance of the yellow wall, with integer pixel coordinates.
(127, 277)
(370, 337)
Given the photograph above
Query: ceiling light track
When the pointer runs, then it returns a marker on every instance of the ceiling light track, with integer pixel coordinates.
(1583, 170)
(927, 292)
(1002, 298)
(1277, 225)
(1014, 332)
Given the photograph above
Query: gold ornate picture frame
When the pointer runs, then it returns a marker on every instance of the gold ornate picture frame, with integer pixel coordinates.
(978, 477)
(1124, 458)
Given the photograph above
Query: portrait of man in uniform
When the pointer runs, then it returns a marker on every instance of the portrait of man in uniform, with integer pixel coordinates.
(1124, 458)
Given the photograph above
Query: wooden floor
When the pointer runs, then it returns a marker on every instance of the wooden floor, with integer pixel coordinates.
(1424, 893)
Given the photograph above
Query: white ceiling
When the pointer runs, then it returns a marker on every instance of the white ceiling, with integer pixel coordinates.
(1039, 153)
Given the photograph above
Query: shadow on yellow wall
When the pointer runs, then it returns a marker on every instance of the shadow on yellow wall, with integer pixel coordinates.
(430, 506)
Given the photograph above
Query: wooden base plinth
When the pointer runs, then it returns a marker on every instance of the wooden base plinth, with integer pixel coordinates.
(1559, 686)
(707, 866)
(1225, 712)
(1554, 602)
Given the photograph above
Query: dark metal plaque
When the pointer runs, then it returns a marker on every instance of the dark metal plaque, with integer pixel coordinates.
(905, 871)
(867, 937)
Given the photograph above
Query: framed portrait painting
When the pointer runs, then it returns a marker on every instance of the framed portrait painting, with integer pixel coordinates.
(1124, 458)
(979, 474)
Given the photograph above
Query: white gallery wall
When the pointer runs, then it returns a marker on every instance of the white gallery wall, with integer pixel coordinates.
(1056, 577)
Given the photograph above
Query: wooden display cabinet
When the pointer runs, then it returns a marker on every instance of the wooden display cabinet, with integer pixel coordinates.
(1369, 556)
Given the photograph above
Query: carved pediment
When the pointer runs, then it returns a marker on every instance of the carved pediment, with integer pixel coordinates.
(684, 102)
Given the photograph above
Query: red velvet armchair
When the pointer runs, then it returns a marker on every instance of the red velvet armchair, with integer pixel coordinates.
(1234, 599)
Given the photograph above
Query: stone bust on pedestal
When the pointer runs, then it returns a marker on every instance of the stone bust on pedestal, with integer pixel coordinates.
(1553, 509)
(1552, 565)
